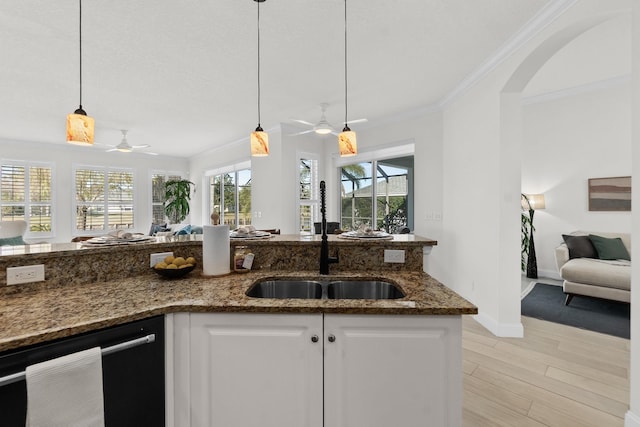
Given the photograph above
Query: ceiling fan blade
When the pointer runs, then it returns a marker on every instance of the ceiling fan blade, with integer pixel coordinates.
(111, 149)
(140, 146)
(150, 153)
(358, 121)
(304, 122)
(301, 133)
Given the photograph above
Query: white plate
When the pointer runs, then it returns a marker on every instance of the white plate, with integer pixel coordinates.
(376, 235)
(248, 236)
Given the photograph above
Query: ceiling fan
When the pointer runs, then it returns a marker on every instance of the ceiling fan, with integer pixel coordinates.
(323, 127)
(125, 147)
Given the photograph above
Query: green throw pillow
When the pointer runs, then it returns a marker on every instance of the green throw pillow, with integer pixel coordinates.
(609, 248)
(12, 241)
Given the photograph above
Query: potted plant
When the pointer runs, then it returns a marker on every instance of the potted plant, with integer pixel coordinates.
(526, 235)
(177, 194)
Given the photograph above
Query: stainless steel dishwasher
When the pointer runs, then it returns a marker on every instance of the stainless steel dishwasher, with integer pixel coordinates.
(132, 371)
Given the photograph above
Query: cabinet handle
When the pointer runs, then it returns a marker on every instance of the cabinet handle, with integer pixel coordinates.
(331, 338)
(314, 338)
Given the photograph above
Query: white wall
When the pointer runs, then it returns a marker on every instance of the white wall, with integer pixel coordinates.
(482, 155)
(632, 418)
(567, 141)
(64, 157)
(424, 130)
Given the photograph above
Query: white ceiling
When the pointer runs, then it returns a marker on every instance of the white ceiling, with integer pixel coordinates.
(180, 75)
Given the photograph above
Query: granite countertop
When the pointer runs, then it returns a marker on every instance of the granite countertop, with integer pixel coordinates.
(36, 316)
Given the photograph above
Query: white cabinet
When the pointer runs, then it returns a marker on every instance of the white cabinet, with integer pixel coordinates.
(246, 370)
(256, 370)
(382, 371)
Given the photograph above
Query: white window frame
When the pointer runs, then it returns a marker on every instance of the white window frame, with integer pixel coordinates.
(379, 153)
(233, 168)
(314, 201)
(27, 164)
(167, 175)
(106, 170)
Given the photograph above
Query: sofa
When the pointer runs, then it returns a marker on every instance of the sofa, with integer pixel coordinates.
(596, 265)
(12, 232)
(174, 229)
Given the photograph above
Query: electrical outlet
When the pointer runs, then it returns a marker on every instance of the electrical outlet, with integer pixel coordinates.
(26, 274)
(157, 257)
(393, 255)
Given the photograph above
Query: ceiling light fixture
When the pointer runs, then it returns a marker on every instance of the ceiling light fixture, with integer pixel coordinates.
(323, 127)
(347, 138)
(259, 138)
(80, 127)
(124, 146)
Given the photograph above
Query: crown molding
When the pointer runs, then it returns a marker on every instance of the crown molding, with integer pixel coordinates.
(534, 26)
(578, 90)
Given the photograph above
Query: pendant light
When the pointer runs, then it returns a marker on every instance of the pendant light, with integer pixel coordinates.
(347, 138)
(259, 138)
(80, 127)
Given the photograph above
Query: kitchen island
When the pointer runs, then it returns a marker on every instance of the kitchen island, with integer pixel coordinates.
(273, 349)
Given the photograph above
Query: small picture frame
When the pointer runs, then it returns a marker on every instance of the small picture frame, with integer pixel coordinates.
(610, 194)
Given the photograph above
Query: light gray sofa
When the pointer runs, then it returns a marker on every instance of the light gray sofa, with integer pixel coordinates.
(595, 277)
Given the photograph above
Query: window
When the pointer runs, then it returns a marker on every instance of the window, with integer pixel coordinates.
(104, 199)
(230, 196)
(309, 197)
(158, 180)
(27, 195)
(377, 193)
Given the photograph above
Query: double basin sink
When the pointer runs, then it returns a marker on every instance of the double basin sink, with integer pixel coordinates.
(324, 289)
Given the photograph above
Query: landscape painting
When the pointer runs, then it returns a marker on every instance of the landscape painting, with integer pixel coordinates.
(610, 194)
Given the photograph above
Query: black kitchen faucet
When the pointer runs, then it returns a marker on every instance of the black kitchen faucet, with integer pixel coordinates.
(325, 259)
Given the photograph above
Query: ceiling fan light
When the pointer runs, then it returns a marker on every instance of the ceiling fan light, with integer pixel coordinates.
(80, 128)
(347, 143)
(323, 130)
(259, 143)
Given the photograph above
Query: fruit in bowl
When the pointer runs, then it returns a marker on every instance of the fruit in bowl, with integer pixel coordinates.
(175, 266)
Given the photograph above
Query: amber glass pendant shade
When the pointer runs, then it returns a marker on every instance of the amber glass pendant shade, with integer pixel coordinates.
(259, 143)
(347, 143)
(80, 128)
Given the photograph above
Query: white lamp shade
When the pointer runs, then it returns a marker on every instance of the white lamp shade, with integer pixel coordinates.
(347, 143)
(80, 129)
(536, 201)
(259, 144)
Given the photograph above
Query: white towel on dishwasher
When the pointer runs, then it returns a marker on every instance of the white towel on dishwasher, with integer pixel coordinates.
(67, 391)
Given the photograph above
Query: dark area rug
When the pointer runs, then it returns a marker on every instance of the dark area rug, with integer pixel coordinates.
(546, 302)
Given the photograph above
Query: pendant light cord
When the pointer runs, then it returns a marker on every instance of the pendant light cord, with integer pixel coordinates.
(345, 65)
(80, 32)
(258, 63)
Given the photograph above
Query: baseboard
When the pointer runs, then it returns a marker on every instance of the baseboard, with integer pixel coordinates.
(551, 274)
(631, 420)
(505, 330)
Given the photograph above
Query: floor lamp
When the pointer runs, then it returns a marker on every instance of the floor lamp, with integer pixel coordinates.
(531, 202)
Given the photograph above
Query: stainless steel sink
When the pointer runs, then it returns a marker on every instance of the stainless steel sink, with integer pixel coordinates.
(363, 289)
(305, 289)
(328, 289)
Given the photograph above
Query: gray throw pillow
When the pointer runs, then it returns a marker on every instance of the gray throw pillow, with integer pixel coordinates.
(609, 248)
(580, 247)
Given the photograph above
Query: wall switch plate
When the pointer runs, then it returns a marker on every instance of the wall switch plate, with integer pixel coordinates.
(393, 255)
(157, 257)
(26, 274)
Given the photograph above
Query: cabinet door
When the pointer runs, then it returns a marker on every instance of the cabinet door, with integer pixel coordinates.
(256, 370)
(385, 371)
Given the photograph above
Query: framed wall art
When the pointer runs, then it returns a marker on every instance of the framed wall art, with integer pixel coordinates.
(610, 194)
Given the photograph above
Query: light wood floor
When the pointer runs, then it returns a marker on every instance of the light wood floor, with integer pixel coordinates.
(555, 376)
